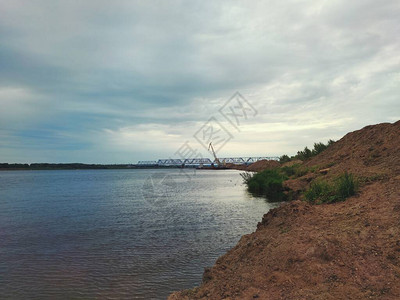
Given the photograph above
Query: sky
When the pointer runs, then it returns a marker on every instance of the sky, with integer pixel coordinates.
(121, 81)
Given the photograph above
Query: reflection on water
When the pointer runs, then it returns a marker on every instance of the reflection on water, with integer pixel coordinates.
(133, 234)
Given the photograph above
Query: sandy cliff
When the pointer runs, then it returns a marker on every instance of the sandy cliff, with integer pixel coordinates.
(346, 250)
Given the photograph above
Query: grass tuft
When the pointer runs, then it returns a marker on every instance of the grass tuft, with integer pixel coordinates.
(322, 192)
(346, 186)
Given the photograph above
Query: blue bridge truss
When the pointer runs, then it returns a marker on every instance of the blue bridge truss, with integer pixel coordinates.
(204, 161)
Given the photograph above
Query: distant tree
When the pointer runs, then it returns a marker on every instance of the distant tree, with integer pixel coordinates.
(318, 148)
(284, 158)
(305, 154)
(330, 142)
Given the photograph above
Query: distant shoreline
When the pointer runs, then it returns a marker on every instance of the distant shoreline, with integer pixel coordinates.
(76, 166)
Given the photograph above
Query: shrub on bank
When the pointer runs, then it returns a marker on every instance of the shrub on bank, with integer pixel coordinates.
(346, 186)
(319, 192)
(290, 170)
(267, 183)
(298, 170)
(322, 192)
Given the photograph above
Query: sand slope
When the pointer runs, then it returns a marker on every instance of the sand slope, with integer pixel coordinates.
(347, 250)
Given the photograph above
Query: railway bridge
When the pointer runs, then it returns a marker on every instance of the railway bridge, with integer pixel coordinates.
(190, 162)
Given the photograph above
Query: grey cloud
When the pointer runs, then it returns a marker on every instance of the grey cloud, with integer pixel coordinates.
(99, 65)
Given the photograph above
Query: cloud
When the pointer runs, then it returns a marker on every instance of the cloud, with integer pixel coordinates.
(96, 77)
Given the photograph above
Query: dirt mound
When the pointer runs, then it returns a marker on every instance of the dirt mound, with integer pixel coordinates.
(292, 163)
(373, 150)
(263, 165)
(349, 250)
(346, 250)
(258, 166)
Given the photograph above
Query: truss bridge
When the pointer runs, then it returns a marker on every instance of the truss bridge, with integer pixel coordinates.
(168, 162)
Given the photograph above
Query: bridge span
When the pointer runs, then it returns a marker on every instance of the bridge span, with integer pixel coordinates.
(190, 162)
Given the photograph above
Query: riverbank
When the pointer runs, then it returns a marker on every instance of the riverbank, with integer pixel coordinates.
(345, 250)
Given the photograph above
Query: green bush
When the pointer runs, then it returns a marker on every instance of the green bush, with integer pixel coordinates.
(301, 171)
(295, 170)
(319, 192)
(305, 154)
(331, 142)
(318, 148)
(284, 158)
(289, 171)
(346, 186)
(246, 177)
(323, 192)
(267, 183)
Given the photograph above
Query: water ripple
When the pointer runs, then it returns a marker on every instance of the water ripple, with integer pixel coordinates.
(92, 235)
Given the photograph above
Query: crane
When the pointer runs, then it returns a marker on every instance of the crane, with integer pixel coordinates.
(215, 156)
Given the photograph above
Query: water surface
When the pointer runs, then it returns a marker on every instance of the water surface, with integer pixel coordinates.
(117, 234)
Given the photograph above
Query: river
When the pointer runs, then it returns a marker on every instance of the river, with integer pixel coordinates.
(117, 234)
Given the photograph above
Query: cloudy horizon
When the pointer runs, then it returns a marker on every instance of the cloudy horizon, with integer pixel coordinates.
(122, 81)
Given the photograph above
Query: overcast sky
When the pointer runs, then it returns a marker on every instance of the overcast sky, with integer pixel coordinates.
(122, 81)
